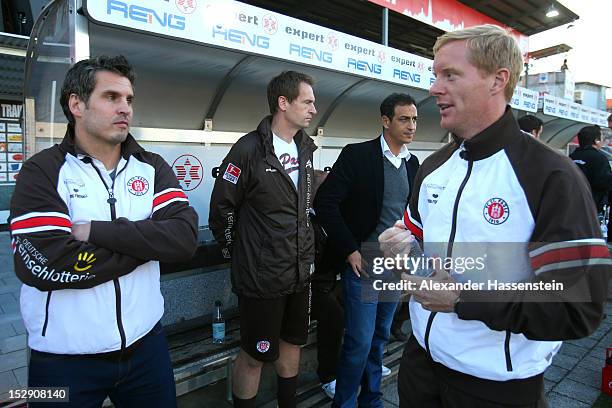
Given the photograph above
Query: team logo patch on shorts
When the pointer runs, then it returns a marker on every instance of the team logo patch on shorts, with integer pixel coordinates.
(496, 211)
(263, 346)
(232, 174)
(138, 186)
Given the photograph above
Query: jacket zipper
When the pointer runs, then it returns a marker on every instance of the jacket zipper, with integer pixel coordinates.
(451, 240)
(44, 329)
(507, 351)
(111, 201)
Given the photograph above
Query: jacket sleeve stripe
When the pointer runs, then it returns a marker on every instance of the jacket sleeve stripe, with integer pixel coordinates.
(41, 214)
(565, 244)
(169, 201)
(413, 226)
(574, 256)
(580, 263)
(35, 222)
(167, 191)
(168, 194)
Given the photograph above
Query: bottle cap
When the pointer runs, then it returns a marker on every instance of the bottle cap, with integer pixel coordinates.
(218, 303)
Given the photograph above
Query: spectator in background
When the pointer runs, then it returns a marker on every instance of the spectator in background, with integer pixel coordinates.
(593, 164)
(610, 193)
(532, 125)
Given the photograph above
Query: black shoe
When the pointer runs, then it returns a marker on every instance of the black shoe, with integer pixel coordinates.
(397, 333)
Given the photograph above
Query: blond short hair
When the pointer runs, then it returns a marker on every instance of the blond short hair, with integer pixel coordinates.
(490, 48)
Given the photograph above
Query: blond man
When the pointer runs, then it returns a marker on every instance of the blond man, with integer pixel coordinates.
(499, 188)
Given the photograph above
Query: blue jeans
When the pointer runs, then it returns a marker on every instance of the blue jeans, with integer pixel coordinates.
(145, 379)
(367, 327)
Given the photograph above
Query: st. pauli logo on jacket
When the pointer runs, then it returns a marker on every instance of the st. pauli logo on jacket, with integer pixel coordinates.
(138, 185)
(496, 211)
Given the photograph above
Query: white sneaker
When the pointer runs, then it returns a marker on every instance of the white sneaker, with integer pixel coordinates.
(385, 371)
(329, 389)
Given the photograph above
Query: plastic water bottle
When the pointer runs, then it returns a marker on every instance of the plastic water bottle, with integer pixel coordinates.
(218, 324)
(603, 222)
(423, 269)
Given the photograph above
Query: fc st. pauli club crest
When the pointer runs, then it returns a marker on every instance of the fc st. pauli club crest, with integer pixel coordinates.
(263, 346)
(138, 185)
(496, 211)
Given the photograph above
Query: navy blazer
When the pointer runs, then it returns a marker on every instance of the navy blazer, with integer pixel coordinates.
(349, 202)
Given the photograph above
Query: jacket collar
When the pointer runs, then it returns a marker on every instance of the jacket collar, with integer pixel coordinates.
(68, 145)
(302, 140)
(492, 139)
(586, 148)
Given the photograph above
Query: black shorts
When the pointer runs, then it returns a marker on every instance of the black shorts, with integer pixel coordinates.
(264, 321)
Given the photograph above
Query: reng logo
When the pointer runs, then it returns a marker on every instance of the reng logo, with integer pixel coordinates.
(241, 37)
(310, 53)
(145, 15)
(364, 66)
(407, 76)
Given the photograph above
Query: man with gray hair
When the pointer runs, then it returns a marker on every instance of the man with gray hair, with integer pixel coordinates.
(497, 187)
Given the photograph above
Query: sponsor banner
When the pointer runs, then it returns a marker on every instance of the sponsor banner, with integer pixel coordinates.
(234, 25)
(13, 128)
(575, 111)
(239, 26)
(14, 167)
(15, 157)
(15, 147)
(525, 99)
(566, 109)
(230, 24)
(11, 141)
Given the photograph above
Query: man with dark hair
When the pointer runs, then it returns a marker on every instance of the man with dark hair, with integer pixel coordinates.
(593, 164)
(365, 192)
(610, 194)
(532, 125)
(90, 219)
(259, 214)
(518, 207)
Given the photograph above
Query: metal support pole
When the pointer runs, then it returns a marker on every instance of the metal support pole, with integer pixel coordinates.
(385, 26)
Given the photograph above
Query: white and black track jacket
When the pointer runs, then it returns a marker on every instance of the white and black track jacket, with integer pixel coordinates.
(102, 295)
(503, 186)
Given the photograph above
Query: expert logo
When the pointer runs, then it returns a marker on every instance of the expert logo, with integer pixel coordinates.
(186, 6)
